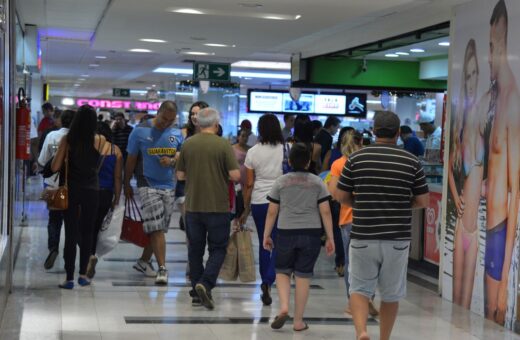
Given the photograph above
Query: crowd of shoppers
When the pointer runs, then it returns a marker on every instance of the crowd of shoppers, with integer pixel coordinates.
(362, 211)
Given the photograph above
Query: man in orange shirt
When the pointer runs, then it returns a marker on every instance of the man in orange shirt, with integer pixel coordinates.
(352, 141)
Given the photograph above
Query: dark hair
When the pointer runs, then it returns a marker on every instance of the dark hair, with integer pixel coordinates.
(57, 113)
(120, 114)
(331, 121)
(105, 130)
(303, 132)
(82, 130)
(190, 127)
(386, 133)
(299, 156)
(66, 118)
(287, 116)
(406, 129)
(220, 131)
(47, 107)
(167, 105)
(341, 133)
(301, 119)
(100, 117)
(269, 130)
(316, 125)
(499, 12)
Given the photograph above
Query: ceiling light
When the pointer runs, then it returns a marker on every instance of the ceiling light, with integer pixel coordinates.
(402, 53)
(140, 50)
(67, 101)
(85, 75)
(100, 57)
(297, 17)
(198, 53)
(173, 70)
(392, 55)
(260, 75)
(187, 11)
(154, 40)
(76, 85)
(417, 50)
(81, 79)
(273, 17)
(93, 65)
(187, 94)
(444, 43)
(219, 45)
(273, 65)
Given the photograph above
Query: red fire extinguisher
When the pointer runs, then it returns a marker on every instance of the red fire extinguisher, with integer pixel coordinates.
(23, 127)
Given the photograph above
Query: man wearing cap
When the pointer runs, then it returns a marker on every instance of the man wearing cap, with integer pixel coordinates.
(432, 133)
(383, 183)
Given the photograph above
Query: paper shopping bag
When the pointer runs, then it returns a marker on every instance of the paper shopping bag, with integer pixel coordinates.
(246, 258)
(229, 269)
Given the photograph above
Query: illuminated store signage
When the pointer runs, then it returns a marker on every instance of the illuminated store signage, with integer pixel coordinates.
(117, 104)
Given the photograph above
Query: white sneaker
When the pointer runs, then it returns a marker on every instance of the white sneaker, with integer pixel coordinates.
(162, 276)
(145, 267)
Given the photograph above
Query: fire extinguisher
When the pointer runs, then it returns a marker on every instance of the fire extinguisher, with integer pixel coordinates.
(23, 127)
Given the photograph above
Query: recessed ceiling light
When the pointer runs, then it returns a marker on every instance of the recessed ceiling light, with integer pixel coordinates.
(444, 43)
(93, 65)
(417, 50)
(81, 79)
(297, 17)
(392, 55)
(402, 53)
(274, 65)
(76, 85)
(219, 45)
(273, 17)
(85, 75)
(198, 53)
(100, 57)
(187, 11)
(154, 40)
(140, 50)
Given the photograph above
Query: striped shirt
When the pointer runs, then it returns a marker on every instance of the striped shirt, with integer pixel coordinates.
(383, 179)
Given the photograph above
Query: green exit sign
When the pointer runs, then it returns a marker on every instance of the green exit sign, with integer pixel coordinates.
(120, 92)
(211, 71)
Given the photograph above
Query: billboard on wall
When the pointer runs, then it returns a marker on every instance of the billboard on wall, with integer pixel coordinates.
(481, 244)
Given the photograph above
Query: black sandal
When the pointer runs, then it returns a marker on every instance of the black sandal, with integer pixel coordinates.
(279, 321)
(302, 329)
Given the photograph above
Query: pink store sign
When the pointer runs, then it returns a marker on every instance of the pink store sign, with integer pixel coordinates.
(118, 104)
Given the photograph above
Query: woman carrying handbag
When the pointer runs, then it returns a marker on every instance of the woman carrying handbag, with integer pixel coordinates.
(80, 151)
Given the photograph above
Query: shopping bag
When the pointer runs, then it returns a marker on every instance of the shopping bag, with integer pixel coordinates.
(246, 258)
(110, 231)
(229, 269)
(132, 230)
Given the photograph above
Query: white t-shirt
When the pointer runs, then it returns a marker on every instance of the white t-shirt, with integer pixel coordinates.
(434, 140)
(266, 160)
(50, 146)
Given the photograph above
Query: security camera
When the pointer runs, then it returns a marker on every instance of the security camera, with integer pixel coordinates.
(364, 67)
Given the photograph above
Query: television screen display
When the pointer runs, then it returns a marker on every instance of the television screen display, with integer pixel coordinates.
(305, 104)
(356, 104)
(330, 104)
(265, 101)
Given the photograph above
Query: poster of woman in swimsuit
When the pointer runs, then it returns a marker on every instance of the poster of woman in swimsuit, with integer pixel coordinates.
(481, 234)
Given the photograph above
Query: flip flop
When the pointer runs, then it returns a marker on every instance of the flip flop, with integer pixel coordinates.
(279, 321)
(302, 329)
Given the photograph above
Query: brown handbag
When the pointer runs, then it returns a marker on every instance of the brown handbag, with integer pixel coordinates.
(58, 199)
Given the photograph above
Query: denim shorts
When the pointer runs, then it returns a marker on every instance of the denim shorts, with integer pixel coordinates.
(297, 254)
(381, 264)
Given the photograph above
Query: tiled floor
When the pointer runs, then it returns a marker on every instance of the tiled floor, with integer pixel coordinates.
(122, 304)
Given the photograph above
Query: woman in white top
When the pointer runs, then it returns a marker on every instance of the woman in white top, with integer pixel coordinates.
(263, 166)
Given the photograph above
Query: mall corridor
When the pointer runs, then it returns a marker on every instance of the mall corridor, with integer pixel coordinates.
(121, 304)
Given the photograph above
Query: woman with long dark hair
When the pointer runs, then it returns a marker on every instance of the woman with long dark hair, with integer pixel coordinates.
(80, 152)
(263, 166)
(191, 126)
(303, 134)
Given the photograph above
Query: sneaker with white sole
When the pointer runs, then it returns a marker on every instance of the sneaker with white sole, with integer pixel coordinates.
(145, 267)
(162, 276)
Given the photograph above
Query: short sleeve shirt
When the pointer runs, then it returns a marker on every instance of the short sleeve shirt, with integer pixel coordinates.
(345, 213)
(383, 178)
(266, 161)
(153, 144)
(299, 194)
(206, 159)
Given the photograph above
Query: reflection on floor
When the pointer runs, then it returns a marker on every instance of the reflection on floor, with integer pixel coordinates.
(122, 304)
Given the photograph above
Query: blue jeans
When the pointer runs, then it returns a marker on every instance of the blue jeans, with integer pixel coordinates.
(266, 259)
(215, 228)
(54, 227)
(345, 235)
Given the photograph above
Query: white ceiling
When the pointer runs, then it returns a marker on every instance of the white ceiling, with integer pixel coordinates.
(431, 49)
(75, 31)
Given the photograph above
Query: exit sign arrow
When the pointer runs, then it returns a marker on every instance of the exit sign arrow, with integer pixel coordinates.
(219, 72)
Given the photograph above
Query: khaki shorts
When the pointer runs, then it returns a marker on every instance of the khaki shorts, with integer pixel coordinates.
(379, 264)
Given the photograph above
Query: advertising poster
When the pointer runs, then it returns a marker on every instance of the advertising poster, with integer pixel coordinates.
(432, 222)
(480, 253)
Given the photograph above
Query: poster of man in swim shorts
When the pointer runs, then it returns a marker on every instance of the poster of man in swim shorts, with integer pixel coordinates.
(481, 244)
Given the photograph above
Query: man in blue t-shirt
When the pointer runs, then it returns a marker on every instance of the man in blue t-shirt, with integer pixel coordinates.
(158, 143)
(412, 144)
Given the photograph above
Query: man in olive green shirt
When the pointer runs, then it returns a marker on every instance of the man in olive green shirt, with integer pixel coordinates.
(207, 163)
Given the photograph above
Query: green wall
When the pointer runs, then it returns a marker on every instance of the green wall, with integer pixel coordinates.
(380, 74)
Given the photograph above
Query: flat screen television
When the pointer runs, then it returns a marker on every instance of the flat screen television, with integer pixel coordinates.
(263, 101)
(305, 104)
(356, 105)
(330, 104)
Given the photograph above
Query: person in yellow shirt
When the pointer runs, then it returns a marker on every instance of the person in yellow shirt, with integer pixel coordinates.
(351, 142)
